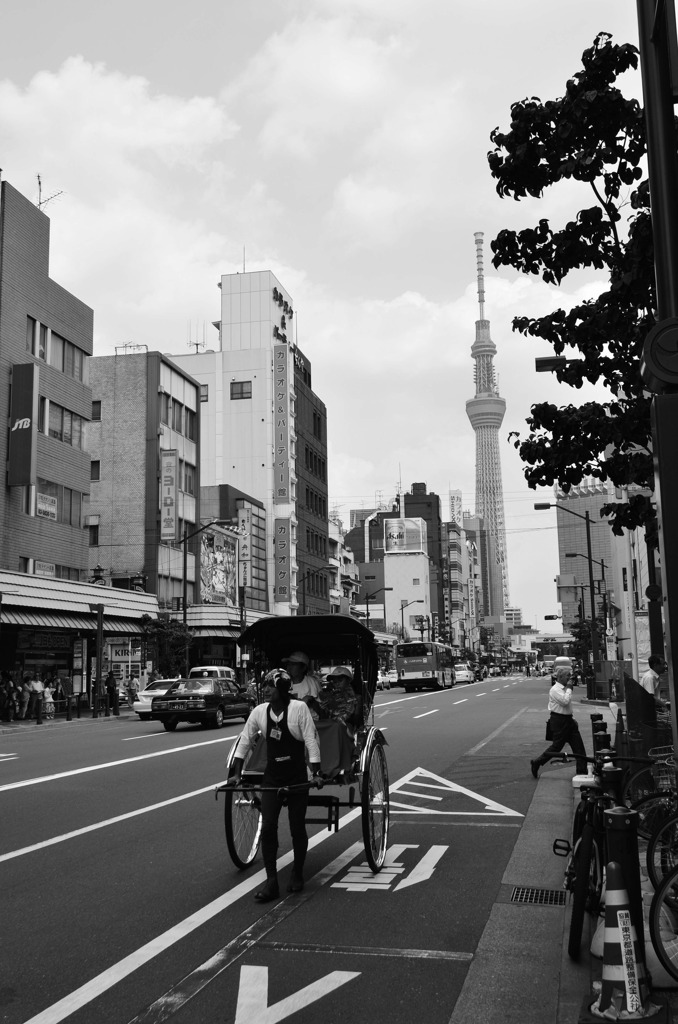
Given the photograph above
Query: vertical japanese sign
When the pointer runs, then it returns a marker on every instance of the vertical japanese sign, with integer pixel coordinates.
(169, 492)
(281, 588)
(218, 555)
(281, 426)
(23, 425)
(245, 561)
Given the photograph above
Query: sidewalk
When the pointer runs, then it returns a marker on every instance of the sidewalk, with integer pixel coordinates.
(20, 725)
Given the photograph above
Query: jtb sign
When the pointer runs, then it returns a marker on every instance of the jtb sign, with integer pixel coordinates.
(23, 425)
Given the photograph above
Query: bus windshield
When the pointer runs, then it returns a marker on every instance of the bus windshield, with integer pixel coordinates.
(413, 650)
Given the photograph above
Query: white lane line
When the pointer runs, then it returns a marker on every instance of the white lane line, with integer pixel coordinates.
(483, 694)
(435, 711)
(479, 746)
(461, 701)
(496, 689)
(153, 735)
(80, 997)
(103, 824)
(110, 764)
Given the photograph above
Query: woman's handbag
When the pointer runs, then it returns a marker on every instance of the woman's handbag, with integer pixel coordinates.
(549, 730)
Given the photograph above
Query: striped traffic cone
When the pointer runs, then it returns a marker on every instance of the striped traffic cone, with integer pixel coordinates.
(625, 989)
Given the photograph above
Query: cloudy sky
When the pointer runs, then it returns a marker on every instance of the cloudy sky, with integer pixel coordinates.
(339, 143)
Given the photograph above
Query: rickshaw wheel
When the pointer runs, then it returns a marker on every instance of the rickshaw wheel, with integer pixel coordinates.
(375, 807)
(242, 823)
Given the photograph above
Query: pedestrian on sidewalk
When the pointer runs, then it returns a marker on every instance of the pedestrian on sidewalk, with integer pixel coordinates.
(49, 701)
(656, 666)
(563, 725)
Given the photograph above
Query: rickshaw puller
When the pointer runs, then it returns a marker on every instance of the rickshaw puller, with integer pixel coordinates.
(290, 733)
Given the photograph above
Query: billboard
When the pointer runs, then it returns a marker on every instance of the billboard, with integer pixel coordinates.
(245, 531)
(404, 535)
(169, 493)
(218, 568)
(23, 425)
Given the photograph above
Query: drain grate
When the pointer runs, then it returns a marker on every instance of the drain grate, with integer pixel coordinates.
(539, 897)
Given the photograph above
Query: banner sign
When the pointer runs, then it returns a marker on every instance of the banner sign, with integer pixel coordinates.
(23, 425)
(169, 493)
(281, 426)
(281, 586)
(245, 530)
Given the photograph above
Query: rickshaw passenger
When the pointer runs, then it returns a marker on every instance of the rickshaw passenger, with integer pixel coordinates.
(290, 734)
(306, 685)
(338, 700)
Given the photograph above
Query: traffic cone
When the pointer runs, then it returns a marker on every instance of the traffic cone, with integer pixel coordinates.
(625, 988)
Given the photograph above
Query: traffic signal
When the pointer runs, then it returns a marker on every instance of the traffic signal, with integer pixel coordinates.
(551, 616)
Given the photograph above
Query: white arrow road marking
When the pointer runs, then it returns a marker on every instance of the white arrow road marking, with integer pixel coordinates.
(424, 868)
(253, 1005)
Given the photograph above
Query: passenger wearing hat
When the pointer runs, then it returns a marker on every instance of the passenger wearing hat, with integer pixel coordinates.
(290, 734)
(338, 699)
(305, 685)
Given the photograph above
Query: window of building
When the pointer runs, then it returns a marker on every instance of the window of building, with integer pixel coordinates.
(56, 351)
(42, 342)
(60, 504)
(189, 479)
(30, 334)
(190, 424)
(177, 417)
(96, 409)
(56, 421)
(416, 582)
(165, 408)
(241, 389)
(94, 536)
(204, 392)
(95, 469)
(41, 414)
(23, 564)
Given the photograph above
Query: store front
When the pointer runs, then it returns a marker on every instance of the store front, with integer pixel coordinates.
(71, 633)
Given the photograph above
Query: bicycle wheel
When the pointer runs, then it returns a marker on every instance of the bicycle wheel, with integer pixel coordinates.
(588, 883)
(662, 851)
(653, 811)
(640, 783)
(664, 923)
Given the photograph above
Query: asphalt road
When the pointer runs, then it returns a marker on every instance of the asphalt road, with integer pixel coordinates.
(119, 903)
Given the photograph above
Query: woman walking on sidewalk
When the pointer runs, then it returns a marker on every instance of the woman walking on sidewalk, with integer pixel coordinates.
(564, 729)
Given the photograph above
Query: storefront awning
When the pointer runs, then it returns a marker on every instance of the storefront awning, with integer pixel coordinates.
(54, 620)
(225, 631)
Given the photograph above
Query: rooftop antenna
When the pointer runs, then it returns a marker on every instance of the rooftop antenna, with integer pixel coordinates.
(43, 202)
(196, 344)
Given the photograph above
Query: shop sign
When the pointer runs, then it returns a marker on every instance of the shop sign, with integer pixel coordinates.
(46, 506)
(30, 641)
(44, 568)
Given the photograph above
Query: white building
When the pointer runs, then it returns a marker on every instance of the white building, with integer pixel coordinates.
(265, 432)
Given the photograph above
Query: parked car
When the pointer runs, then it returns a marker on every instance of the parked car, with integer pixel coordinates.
(463, 673)
(382, 681)
(204, 700)
(142, 705)
(392, 677)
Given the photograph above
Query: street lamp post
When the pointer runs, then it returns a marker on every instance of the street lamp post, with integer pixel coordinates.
(601, 563)
(587, 519)
(367, 602)
(96, 683)
(403, 606)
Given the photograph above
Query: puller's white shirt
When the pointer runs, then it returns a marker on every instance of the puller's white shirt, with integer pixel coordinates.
(299, 722)
(560, 699)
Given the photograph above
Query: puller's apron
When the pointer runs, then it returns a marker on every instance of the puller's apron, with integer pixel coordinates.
(285, 755)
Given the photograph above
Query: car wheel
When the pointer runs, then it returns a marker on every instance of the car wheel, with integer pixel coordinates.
(170, 724)
(218, 719)
(144, 718)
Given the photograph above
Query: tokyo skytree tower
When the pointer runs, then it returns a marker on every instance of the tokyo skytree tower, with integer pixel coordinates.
(486, 413)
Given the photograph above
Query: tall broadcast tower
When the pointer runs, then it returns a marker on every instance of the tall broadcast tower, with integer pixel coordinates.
(486, 413)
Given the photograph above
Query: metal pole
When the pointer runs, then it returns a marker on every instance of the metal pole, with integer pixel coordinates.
(367, 609)
(594, 631)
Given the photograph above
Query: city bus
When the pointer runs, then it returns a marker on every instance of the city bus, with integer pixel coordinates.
(424, 664)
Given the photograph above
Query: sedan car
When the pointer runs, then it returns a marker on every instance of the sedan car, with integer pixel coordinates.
(207, 701)
(142, 705)
(383, 682)
(463, 673)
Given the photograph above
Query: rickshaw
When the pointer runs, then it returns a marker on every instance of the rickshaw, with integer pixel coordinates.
(328, 640)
